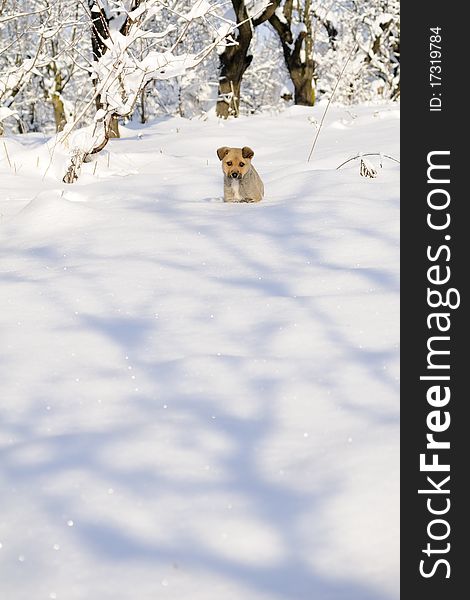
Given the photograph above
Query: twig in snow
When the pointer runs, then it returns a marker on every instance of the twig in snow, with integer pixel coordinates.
(6, 152)
(368, 154)
(367, 169)
(330, 99)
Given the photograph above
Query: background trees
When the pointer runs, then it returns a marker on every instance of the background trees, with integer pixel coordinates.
(235, 57)
(64, 61)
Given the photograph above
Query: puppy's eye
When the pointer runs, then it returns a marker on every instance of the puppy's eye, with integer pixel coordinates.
(229, 163)
(242, 164)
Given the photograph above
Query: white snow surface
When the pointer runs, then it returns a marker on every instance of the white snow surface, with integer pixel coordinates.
(200, 400)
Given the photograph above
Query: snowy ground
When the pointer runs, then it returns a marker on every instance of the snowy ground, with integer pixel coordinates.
(200, 400)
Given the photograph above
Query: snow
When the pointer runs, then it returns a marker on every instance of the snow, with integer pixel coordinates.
(297, 29)
(199, 9)
(280, 15)
(257, 7)
(5, 113)
(200, 400)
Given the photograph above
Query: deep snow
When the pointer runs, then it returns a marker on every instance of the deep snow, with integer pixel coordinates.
(200, 400)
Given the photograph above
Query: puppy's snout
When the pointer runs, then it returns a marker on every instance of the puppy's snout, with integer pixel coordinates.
(235, 175)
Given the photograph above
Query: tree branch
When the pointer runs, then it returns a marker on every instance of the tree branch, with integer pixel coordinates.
(267, 13)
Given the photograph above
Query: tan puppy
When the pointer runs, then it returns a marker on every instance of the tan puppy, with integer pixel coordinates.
(241, 181)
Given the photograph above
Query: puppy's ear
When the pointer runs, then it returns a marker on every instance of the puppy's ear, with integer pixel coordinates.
(221, 152)
(247, 152)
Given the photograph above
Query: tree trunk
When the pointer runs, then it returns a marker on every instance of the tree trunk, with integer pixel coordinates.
(304, 92)
(301, 72)
(99, 33)
(234, 61)
(59, 112)
(79, 155)
(231, 75)
(297, 52)
(114, 128)
(143, 117)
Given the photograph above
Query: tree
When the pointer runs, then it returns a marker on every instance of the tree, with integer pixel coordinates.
(18, 59)
(293, 25)
(265, 83)
(368, 32)
(235, 57)
(105, 18)
(38, 59)
(378, 38)
(127, 66)
(59, 64)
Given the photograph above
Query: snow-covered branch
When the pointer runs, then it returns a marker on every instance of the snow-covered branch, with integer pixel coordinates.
(126, 62)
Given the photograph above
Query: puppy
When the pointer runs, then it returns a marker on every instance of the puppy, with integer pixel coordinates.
(241, 181)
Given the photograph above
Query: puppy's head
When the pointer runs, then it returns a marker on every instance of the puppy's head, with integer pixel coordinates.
(236, 162)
